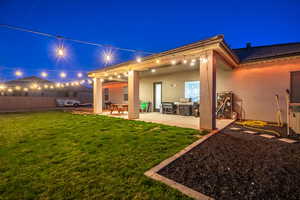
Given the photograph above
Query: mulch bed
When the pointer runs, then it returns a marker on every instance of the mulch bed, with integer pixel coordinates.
(233, 165)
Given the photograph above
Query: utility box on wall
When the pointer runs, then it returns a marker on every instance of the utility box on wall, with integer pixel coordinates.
(295, 120)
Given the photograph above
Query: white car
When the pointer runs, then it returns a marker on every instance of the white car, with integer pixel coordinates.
(67, 102)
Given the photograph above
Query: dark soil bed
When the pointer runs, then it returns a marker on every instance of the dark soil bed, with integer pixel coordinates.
(233, 165)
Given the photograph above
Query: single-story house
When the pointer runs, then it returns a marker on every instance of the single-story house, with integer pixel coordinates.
(201, 70)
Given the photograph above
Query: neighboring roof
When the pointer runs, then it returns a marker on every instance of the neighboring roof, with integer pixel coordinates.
(27, 80)
(250, 54)
(24, 82)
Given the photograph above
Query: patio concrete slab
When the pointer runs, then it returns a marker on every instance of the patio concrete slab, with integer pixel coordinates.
(267, 136)
(172, 120)
(287, 140)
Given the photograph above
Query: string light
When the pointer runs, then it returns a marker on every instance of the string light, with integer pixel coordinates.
(18, 87)
(107, 56)
(157, 61)
(9, 90)
(44, 74)
(153, 70)
(203, 60)
(34, 86)
(119, 76)
(184, 61)
(18, 73)
(46, 86)
(63, 75)
(138, 59)
(2, 87)
(79, 75)
(60, 52)
(173, 62)
(25, 89)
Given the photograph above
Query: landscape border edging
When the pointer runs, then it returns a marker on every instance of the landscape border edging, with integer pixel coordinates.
(152, 173)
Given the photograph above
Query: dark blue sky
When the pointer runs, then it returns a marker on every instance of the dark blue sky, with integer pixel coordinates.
(144, 25)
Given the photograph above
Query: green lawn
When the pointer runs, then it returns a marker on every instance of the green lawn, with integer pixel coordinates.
(57, 155)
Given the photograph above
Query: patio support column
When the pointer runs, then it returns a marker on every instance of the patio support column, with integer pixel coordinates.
(208, 91)
(97, 94)
(133, 95)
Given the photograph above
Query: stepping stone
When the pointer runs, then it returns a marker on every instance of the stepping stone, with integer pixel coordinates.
(235, 129)
(267, 136)
(250, 132)
(287, 140)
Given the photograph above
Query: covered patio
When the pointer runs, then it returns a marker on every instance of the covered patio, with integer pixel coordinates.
(171, 120)
(198, 62)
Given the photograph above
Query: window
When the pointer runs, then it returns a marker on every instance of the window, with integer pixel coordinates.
(75, 94)
(295, 87)
(106, 94)
(192, 90)
(125, 93)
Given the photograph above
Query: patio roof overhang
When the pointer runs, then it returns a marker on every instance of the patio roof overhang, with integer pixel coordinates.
(197, 50)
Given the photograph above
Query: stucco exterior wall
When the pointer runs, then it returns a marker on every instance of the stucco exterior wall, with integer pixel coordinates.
(255, 88)
(116, 92)
(172, 85)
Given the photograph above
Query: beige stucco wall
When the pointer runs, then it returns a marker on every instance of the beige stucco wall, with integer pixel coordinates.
(172, 85)
(115, 92)
(255, 88)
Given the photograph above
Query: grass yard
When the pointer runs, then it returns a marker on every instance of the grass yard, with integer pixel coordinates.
(58, 155)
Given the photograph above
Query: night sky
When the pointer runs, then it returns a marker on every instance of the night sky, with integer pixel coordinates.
(143, 25)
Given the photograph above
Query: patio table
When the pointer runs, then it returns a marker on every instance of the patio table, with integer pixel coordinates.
(118, 107)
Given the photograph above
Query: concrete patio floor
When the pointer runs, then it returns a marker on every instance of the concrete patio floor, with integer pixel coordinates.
(172, 120)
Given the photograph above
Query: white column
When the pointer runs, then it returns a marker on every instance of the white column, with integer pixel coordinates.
(133, 95)
(97, 94)
(208, 92)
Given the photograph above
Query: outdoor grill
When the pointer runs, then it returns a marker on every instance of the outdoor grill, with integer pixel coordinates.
(168, 107)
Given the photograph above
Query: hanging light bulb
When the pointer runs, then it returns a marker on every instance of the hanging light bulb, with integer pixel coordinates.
(203, 60)
(9, 90)
(119, 76)
(139, 59)
(44, 74)
(60, 52)
(25, 89)
(18, 73)
(153, 70)
(46, 86)
(2, 87)
(185, 61)
(157, 61)
(63, 75)
(67, 84)
(34, 86)
(51, 87)
(192, 64)
(18, 87)
(173, 62)
(79, 75)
